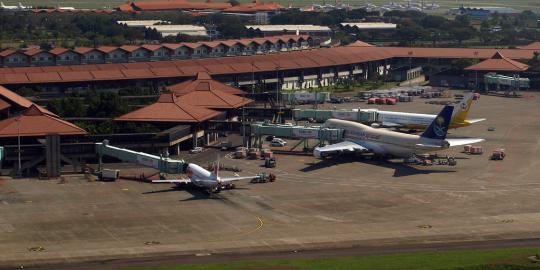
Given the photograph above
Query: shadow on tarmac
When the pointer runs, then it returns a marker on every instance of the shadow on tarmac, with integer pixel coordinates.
(400, 169)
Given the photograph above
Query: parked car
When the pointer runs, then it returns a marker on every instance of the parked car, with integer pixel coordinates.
(279, 140)
(336, 100)
(196, 150)
(278, 143)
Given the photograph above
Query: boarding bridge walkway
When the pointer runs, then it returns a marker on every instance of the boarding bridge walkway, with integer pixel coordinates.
(295, 132)
(163, 164)
(357, 115)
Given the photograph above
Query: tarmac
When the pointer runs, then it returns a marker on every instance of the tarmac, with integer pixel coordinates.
(314, 204)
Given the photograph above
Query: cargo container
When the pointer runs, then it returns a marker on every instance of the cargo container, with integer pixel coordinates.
(498, 154)
(371, 100)
(391, 101)
(476, 150)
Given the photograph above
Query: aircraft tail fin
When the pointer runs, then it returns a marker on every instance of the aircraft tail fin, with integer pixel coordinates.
(460, 113)
(439, 127)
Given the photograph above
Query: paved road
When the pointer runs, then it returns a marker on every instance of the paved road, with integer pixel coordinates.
(290, 254)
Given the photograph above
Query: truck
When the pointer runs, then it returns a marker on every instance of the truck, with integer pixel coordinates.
(264, 178)
(270, 162)
(498, 154)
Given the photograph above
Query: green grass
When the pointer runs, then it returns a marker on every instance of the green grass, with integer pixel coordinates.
(495, 259)
(445, 4)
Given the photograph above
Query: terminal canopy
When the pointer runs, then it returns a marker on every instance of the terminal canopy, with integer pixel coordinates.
(498, 62)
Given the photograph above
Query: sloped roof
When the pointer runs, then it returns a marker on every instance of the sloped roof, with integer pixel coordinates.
(34, 123)
(532, 46)
(360, 43)
(4, 105)
(178, 4)
(12, 97)
(499, 63)
(202, 93)
(168, 108)
(203, 82)
(58, 50)
(255, 6)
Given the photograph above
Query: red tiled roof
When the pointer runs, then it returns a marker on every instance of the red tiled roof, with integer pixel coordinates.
(107, 49)
(456, 52)
(499, 63)
(76, 76)
(83, 50)
(323, 57)
(4, 105)
(532, 46)
(179, 4)
(12, 97)
(34, 123)
(213, 99)
(130, 48)
(203, 82)
(44, 76)
(169, 109)
(58, 50)
(125, 7)
(360, 43)
(32, 51)
(205, 92)
(152, 47)
(254, 7)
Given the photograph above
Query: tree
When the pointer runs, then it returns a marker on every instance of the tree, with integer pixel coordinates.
(462, 33)
(460, 64)
(433, 21)
(534, 63)
(409, 35)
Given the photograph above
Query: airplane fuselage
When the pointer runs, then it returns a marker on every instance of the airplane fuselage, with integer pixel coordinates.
(385, 142)
(200, 177)
(413, 120)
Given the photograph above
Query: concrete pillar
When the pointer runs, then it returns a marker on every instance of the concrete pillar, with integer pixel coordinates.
(53, 155)
(194, 138)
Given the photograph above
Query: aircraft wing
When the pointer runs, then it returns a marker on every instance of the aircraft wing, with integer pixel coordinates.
(472, 121)
(390, 124)
(345, 146)
(465, 141)
(172, 181)
(236, 178)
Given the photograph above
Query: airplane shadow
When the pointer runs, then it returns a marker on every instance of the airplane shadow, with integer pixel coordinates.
(400, 169)
(326, 163)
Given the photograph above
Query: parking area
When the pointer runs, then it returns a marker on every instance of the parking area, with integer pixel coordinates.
(313, 203)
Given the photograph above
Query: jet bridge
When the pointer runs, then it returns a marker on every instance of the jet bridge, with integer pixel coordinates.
(163, 164)
(357, 115)
(296, 132)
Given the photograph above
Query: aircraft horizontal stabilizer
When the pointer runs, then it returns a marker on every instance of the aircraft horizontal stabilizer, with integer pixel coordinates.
(472, 121)
(428, 145)
(457, 142)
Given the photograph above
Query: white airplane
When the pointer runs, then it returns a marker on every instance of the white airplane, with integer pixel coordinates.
(421, 121)
(200, 177)
(19, 6)
(2, 6)
(362, 138)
